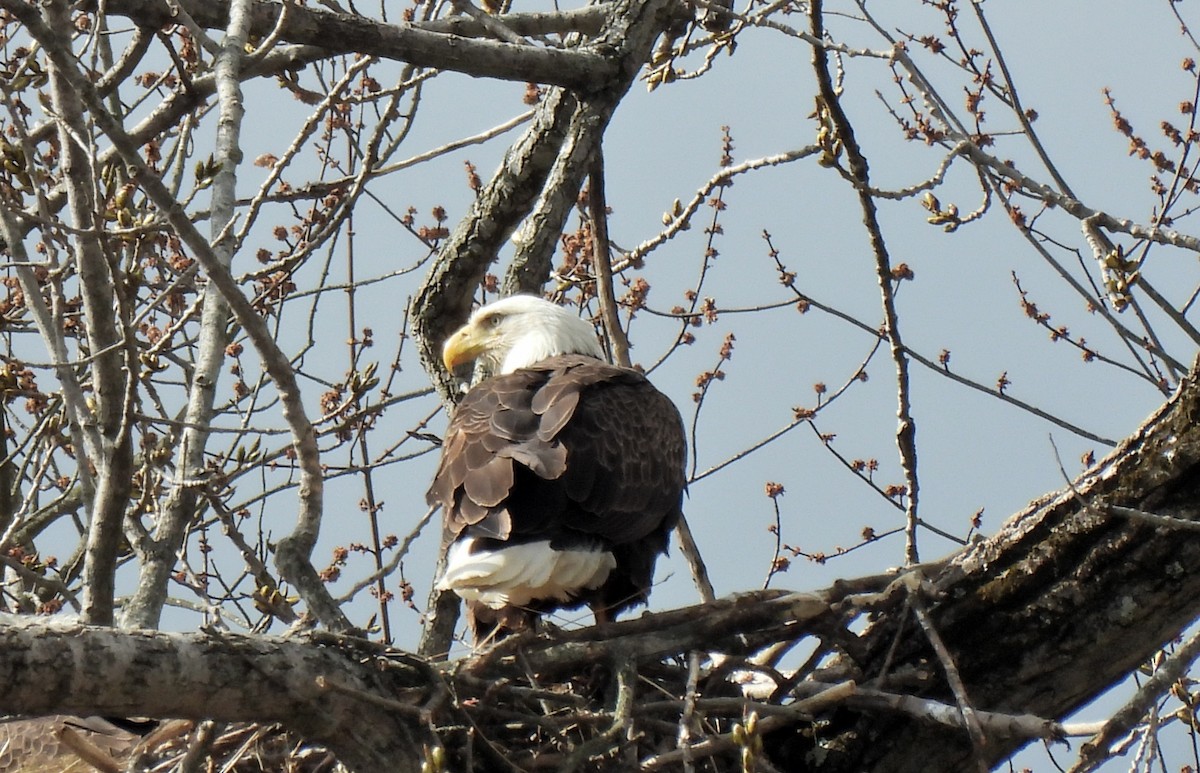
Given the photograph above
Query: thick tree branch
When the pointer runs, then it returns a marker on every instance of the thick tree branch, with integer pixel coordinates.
(111, 374)
(444, 300)
(1039, 619)
(53, 667)
(588, 20)
(541, 231)
(1065, 600)
(337, 33)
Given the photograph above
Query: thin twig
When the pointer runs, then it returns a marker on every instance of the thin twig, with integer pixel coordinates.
(691, 552)
(602, 261)
(683, 739)
(907, 429)
(916, 588)
(681, 216)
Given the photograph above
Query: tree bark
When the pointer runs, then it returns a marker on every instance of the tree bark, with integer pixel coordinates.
(52, 667)
(548, 165)
(1067, 599)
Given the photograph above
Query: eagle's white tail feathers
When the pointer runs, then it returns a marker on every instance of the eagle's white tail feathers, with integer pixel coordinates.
(516, 575)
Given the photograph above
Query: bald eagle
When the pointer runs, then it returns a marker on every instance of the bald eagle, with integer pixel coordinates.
(561, 475)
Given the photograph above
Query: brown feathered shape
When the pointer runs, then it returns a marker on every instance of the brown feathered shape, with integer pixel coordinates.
(571, 450)
(63, 744)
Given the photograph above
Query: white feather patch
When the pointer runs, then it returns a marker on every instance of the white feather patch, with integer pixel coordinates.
(515, 575)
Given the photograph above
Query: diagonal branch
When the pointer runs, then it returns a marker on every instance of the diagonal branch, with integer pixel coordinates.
(541, 231)
(1060, 604)
(556, 147)
(1095, 750)
(444, 300)
(961, 699)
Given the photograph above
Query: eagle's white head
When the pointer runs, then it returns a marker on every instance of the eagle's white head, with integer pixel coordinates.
(518, 331)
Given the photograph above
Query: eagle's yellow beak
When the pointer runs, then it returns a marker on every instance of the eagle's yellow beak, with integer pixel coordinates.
(463, 346)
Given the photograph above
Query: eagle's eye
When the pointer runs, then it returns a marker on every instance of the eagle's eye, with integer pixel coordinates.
(494, 320)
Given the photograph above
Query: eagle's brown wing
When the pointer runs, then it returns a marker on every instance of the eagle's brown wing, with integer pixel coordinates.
(572, 450)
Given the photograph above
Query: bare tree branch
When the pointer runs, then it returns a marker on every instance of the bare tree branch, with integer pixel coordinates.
(338, 33)
(1096, 749)
(1003, 589)
(119, 312)
(843, 136)
(444, 300)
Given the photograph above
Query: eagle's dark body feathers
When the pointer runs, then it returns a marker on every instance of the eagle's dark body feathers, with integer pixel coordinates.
(571, 451)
